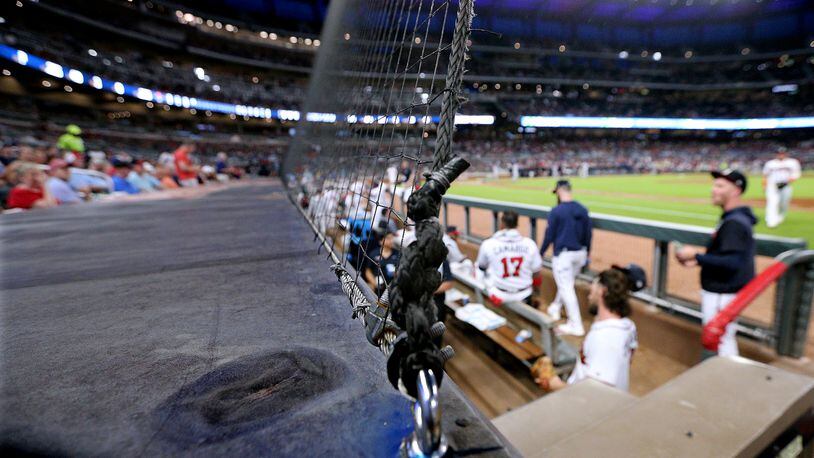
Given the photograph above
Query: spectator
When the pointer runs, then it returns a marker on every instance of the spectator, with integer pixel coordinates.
(362, 241)
(186, 171)
(382, 270)
(32, 154)
(141, 180)
(70, 141)
(121, 170)
(569, 231)
(58, 184)
(441, 293)
(608, 348)
(86, 182)
(30, 192)
(221, 163)
(164, 176)
(729, 262)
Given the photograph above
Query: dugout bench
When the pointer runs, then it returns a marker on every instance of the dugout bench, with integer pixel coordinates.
(544, 340)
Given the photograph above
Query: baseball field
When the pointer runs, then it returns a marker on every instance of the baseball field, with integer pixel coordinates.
(677, 198)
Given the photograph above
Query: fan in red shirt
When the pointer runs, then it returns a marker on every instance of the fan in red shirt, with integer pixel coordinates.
(30, 191)
(187, 172)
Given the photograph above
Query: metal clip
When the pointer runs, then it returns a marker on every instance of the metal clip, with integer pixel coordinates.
(427, 439)
(376, 321)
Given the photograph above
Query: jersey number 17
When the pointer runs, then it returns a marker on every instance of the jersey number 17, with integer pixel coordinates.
(511, 266)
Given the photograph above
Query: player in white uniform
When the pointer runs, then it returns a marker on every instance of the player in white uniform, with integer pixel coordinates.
(323, 208)
(450, 238)
(609, 346)
(778, 175)
(511, 262)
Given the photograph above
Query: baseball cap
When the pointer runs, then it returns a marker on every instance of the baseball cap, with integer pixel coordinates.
(561, 184)
(118, 162)
(733, 176)
(635, 275)
(57, 163)
(71, 157)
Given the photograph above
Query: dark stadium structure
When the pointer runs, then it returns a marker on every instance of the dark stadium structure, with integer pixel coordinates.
(223, 319)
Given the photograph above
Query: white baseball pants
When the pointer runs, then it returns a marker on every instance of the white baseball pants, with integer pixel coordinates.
(711, 304)
(566, 266)
(777, 204)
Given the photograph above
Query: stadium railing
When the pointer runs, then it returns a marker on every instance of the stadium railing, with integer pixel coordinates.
(792, 302)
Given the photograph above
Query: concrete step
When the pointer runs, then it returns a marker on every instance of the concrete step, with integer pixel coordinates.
(537, 427)
(721, 407)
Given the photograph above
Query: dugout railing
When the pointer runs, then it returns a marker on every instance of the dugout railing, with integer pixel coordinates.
(787, 332)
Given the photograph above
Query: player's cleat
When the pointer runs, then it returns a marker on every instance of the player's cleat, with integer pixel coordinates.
(571, 329)
(554, 312)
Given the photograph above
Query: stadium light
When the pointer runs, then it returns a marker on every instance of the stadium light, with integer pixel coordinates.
(602, 122)
(76, 76)
(53, 69)
(474, 120)
(657, 56)
(166, 99)
(623, 54)
(780, 88)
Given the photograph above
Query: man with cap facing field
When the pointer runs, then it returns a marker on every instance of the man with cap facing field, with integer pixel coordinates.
(569, 230)
(729, 262)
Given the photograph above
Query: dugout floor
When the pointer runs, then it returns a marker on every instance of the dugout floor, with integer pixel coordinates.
(189, 326)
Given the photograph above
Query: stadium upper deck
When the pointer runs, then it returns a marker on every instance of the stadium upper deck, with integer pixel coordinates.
(757, 60)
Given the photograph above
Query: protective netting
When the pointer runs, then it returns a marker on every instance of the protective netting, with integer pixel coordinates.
(372, 123)
(371, 160)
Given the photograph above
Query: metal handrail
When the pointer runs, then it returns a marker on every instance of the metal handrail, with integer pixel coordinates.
(767, 245)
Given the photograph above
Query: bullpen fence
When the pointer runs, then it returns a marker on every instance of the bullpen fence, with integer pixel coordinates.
(786, 307)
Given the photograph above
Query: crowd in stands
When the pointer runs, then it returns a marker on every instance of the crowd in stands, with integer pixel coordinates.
(205, 77)
(167, 73)
(565, 66)
(37, 174)
(669, 104)
(542, 157)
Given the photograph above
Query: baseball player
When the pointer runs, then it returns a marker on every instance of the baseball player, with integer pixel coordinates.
(778, 175)
(324, 207)
(609, 346)
(569, 230)
(450, 238)
(729, 262)
(511, 262)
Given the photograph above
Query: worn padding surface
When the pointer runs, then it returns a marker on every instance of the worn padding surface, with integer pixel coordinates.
(188, 327)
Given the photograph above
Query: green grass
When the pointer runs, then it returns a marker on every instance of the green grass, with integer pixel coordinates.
(678, 198)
